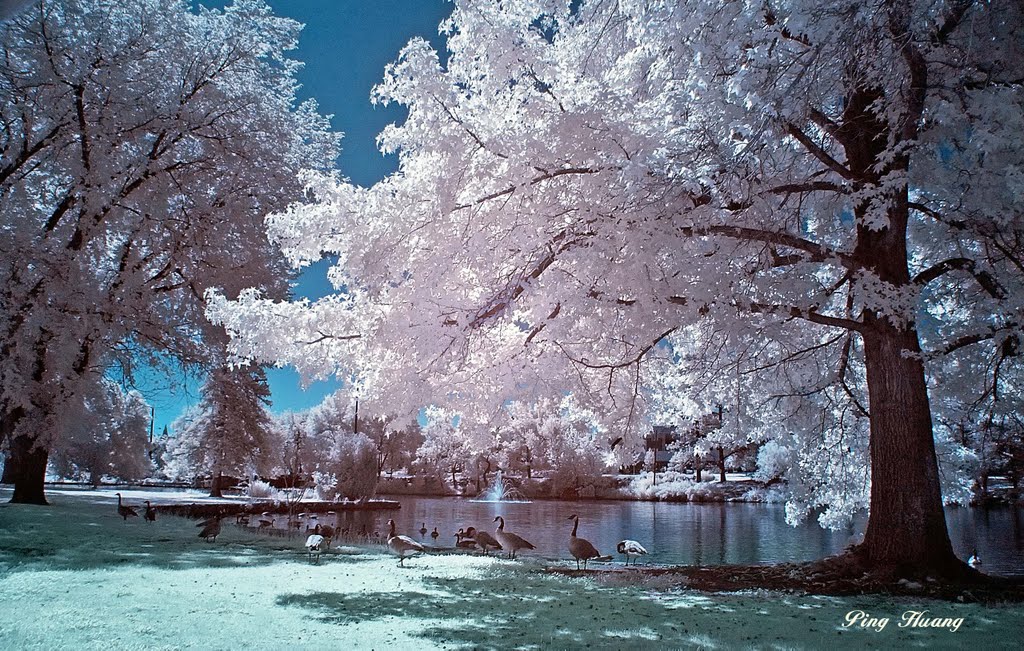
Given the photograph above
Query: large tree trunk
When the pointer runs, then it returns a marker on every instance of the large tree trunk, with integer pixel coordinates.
(25, 466)
(906, 524)
(29, 462)
(906, 530)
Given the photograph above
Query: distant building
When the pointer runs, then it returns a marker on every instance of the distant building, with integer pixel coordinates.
(658, 440)
(662, 436)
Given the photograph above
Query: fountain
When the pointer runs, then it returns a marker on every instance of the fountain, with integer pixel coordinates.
(499, 492)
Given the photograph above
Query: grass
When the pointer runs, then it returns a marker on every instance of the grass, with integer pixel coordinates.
(75, 576)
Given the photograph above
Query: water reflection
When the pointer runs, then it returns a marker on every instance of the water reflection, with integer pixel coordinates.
(685, 534)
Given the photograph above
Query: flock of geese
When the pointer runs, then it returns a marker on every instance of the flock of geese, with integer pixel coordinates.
(321, 536)
(510, 543)
(467, 538)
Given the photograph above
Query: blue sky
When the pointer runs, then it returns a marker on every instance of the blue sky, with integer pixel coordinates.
(345, 46)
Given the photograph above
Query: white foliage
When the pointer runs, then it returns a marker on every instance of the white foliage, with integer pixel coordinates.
(580, 184)
(143, 143)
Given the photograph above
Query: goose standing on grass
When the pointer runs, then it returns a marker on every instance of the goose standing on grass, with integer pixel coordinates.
(581, 548)
(150, 514)
(631, 548)
(483, 539)
(314, 545)
(124, 510)
(510, 542)
(266, 520)
(402, 545)
(211, 530)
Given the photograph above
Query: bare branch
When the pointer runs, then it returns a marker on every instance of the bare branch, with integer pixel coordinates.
(619, 365)
(817, 252)
(819, 153)
(985, 279)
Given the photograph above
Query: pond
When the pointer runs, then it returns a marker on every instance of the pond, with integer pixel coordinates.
(681, 534)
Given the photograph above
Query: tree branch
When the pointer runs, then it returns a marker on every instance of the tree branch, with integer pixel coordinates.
(817, 252)
(819, 153)
(619, 365)
(985, 279)
(545, 176)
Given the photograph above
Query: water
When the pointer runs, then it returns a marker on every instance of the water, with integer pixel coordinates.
(682, 534)
(499, 492)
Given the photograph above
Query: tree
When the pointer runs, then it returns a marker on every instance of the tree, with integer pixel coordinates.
(579, 181)
(444, 450)
(229, 431)
(142, 144)
(106, 435)
(394, 441)
(350, 469)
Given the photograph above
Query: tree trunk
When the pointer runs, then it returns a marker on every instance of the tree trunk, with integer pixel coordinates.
(721, 464)
(29, 461)
(906, 530)
(215, 489)
(906, 524)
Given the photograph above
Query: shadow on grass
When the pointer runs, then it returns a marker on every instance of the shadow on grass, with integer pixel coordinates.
(522, 611)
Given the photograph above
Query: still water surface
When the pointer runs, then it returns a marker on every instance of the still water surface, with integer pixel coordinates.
(683, 534)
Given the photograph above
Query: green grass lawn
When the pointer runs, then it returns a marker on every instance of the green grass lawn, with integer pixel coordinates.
(75, 576)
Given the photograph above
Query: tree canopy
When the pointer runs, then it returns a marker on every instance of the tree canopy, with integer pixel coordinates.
(142, 144)
(833, 185)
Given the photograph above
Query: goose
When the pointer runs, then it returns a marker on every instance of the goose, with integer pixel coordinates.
(581, 548)
(266, 520)
(314, 544)
(483, 539)
(124, 510)
(631, 548)
(510, 542)
(150, 514)
(975, 560)
(402, 545)
(327, 531)
(434, 534)
(464, 540)
(208, 521)
(423, 528)
(211, 530)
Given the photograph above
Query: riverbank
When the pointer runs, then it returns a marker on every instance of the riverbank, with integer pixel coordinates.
(652, 487)
(834, 576)
(75, 575)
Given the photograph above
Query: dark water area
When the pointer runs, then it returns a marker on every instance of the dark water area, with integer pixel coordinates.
(682, 534)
